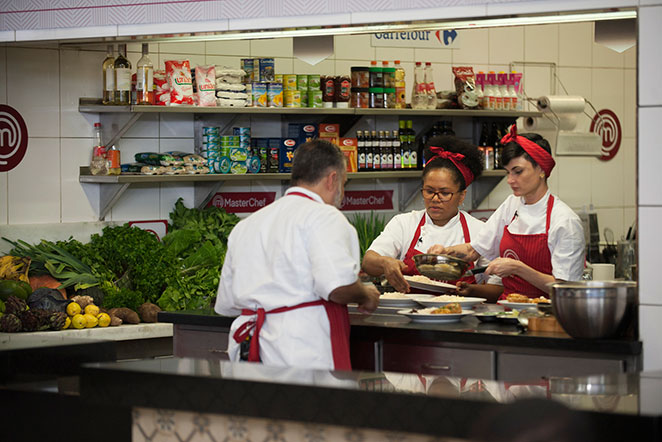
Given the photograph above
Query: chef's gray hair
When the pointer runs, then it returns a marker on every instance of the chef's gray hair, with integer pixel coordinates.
(313, 159)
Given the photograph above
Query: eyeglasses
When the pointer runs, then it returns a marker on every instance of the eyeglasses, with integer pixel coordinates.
(443, 195)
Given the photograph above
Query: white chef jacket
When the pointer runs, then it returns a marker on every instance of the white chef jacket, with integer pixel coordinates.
(396, 238)
(565, 239)
(292, 251)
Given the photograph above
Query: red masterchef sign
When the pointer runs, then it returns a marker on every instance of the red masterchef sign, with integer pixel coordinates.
(13, 138)
(367, 200)
(606, 124)
(242, 202)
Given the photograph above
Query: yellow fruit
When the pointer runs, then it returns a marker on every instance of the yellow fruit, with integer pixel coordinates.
(73, 309)
(78, 321)
(92, 309)
(91, 320)
(104, 319)
(67, 323)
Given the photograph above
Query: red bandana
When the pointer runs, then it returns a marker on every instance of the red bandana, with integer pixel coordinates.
(455, 158)
(539, 155)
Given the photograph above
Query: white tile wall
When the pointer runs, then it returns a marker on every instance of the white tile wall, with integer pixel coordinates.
(650, 156)
(573, 174)
(474, 47)
(605, 94)
(575, 44)
(276, 47)
(650, 291)
(76, 152)
(506, 44)
(354, 47)
(34, 186)
(605, 57)
(327, 67)
(650, 327)
(541, 43)
(4, 185)
(239, 48)
(169, 193)
(629, 118)
(3, 74)
(176, 126)
(35, 91)
(650, 56)
(628, 151)
(607, 182)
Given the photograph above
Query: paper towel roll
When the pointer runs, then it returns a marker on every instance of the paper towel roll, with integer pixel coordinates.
(549, 122)
(561, 104)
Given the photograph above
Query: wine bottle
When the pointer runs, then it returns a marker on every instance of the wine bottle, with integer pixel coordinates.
(376, 152)
(145, 78)
(122, 77)
(108, 68)
(397, 150)
(360, 149)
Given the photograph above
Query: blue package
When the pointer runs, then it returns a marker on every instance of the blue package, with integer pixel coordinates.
(286, 154)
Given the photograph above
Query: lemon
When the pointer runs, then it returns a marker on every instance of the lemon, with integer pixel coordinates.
(92, 309)
(91, 320)
(73, 309)
(104, 319)
(67, 323)
(78, 321)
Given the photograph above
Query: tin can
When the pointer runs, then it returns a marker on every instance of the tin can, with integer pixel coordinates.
(211, 130)
(292, 98)
(289, 82)
(223, 165)
(314, 82)
(249, 92)
(304, 98)
(238, 167)
(275, 95)
(278, 78)
(267, 69)
(302, 83)
(315, 98)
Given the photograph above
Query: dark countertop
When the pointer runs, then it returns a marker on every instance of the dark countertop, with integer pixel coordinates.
(616, 407)
(468, 331)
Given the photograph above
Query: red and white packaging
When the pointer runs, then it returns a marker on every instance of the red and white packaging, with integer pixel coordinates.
(178, 73)
(161, 89)
(205, 80)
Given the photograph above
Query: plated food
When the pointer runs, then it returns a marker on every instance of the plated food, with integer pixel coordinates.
(448, 313)
(442, 300)
(397, 299)
(523, 299)
(425, 283)
(393, 295)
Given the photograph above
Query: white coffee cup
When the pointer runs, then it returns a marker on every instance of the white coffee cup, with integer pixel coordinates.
(603, 272)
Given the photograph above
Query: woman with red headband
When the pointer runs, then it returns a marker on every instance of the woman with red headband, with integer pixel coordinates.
(533, 238)
(452, 166)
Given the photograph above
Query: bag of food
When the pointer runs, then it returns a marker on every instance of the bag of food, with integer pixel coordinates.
(465, 85)
(205, 79)
(178, 73)
(187, 158)
(161, 89)
(157, 159)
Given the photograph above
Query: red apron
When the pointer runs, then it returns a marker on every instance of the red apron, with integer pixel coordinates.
(409, 261)
(338, 326)
(531, 250)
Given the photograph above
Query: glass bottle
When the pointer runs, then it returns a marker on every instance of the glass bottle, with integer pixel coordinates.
(122, 77)
(414, 159)
(419, 89)
(98, 165)
(431, 93)
(404, 142)
(369, 164)
(376, 151)
(108, 68)
(360, 149)
(383, 150)
(113, 156)
(400, 101)
(397, 150)
(145, 78)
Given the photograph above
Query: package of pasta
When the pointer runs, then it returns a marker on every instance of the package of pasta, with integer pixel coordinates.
(205, 79)
(178, 73)
(174, 170)
(187, 158)
(193, 169)
(157, 159)
(132, 167)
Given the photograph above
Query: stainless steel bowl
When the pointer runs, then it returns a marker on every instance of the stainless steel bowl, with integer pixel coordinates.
(592, 309)
(442, 267)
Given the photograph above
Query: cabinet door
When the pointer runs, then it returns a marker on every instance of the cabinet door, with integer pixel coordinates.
(518, 367)
(419, 359)
(191, 341)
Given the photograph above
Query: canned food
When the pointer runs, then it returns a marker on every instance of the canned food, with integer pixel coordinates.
(292, 98)
(315, 99)
(211, 130)
(267, 71)
(238, 167)
(289, 82)
(302, 83)
(314, 82)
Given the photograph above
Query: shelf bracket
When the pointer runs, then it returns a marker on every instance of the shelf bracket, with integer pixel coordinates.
(408, 191)
(481, 188)
(102, 197)
(124, 129)
(203, 192)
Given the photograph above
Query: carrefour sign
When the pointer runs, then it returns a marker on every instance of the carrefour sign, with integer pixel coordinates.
(417, 39)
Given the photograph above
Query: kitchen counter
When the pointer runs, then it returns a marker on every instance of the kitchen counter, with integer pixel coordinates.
(615, 407)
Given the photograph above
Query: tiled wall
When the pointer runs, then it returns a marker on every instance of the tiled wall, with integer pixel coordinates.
(45, 188)
(650, 198)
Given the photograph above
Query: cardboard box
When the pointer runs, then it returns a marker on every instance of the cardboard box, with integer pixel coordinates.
(286, 154)
(349, 149)
(302, 131)
(329, 132)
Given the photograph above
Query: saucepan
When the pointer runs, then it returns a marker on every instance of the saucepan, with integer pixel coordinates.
(444, 267)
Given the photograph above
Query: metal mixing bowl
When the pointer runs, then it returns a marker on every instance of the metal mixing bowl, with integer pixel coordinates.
(442, 267)
(592, 309)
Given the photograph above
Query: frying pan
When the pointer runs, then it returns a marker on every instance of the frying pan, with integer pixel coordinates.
(444, 267)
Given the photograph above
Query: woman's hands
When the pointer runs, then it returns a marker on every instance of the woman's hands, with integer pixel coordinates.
(462, 251)
(504, 267)
(393, 269)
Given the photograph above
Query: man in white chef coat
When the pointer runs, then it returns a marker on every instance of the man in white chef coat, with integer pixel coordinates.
(292, 267)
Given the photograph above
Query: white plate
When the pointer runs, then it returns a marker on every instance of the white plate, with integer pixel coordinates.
(465, 303)
(518, 305)
(437, 319)
(436, 286)
(398, 302)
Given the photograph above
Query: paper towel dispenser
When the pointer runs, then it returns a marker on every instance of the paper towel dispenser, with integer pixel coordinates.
(559, 124)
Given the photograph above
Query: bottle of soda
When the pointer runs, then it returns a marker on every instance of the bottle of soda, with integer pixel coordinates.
(98, 164)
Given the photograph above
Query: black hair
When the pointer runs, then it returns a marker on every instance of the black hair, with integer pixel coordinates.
(513, 150)
(473, 158)
(313, 159)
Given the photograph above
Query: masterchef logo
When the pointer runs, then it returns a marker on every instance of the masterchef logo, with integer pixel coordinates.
(242, 202)
(367, 200)
(13, 138)
(510, 253)
(606, 124)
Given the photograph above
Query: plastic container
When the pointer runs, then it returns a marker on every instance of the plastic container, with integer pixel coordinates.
(376, 97)
(389, 98)
(376, 75)
(419, 89)
(360, 76)
(360, 97)
(431, 93)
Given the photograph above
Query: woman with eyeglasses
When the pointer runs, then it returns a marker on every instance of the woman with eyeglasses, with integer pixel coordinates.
(533, 238)
(453, 164)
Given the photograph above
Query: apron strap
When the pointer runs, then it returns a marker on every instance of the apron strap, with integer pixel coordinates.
(550, 204)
